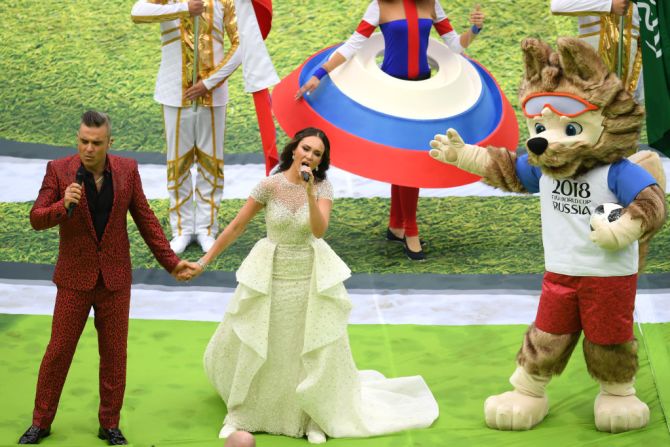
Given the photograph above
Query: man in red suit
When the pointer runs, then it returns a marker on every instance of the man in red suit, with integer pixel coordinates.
(93, 267)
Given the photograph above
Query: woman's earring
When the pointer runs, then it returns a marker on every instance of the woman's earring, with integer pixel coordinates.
(293, 157)
(317, 168)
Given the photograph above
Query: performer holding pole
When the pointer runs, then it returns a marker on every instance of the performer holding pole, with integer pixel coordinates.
(193, 92)
(192, 88)
(196, 40)
(612, 27)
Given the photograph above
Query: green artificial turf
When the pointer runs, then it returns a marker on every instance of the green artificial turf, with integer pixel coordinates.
(464, 235)
(88, 54)
(170, 402)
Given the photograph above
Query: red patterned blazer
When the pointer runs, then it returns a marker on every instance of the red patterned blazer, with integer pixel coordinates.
(80, 255)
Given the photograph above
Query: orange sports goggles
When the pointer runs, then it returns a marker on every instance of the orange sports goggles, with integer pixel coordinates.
(560, 103)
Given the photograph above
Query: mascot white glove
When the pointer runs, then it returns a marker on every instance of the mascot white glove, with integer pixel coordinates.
(618, 234)
(451, 149)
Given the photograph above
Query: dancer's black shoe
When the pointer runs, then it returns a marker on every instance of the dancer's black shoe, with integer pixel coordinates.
(392, 237)
(413, 255)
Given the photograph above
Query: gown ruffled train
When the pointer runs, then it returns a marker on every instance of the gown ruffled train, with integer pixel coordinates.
(281, 356)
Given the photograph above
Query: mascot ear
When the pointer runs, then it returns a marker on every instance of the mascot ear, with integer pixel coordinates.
(580, 61)
(535, 57)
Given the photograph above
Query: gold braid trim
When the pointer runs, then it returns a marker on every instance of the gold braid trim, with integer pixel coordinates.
(209, 163)
(179, 204)
(587, 25)
(205, 51)
(582, 13)
(177, 168)
(161, 18)
(637, 68)
(609, 45)
(168, 42)
(167, 31)
(207, 35)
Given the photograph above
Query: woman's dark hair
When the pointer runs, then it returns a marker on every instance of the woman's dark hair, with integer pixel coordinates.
(286, 157)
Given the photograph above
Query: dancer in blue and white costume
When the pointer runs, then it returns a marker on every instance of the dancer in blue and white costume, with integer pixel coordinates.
(406, 26)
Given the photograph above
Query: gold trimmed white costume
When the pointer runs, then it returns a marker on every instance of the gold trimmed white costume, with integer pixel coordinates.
(600, 28)
(193, 136)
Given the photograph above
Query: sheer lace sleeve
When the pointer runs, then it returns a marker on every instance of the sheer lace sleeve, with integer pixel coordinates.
(261, 192)
(324, 190)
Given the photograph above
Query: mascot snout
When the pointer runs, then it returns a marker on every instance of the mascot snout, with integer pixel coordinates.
(537, 145)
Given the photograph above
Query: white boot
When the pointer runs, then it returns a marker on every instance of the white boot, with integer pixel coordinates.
(522, 408)
(227, 430)
(314, 433)
(205, 241)
(179, 243)
(617, 408)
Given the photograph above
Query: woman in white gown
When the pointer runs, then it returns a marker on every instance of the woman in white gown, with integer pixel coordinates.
(281, 359)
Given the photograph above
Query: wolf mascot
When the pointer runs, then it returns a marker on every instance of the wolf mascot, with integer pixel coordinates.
(582, 125)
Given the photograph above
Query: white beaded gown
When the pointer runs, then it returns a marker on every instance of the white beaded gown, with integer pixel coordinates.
(281, 355)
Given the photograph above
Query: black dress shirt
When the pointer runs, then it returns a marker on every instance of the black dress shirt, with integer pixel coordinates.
(99, 202)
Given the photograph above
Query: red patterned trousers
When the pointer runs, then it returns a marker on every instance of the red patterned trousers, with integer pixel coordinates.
(71, 311)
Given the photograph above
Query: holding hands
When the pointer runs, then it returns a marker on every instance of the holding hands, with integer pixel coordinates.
(186, 271)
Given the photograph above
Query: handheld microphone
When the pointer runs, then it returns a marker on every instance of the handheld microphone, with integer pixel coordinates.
(79, 179)
(305, 175)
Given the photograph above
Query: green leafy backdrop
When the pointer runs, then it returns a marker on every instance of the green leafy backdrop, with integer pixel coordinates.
(61, 58)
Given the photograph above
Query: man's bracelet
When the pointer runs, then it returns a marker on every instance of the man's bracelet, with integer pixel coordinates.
(320, 73)
(201, 263)
(475, 29)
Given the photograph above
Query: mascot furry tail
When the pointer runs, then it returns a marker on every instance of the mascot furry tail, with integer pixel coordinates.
(651, 162)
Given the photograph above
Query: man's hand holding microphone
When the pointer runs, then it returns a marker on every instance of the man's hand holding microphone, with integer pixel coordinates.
(73, 193)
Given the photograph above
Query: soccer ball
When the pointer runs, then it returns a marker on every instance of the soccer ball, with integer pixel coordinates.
(607, 212)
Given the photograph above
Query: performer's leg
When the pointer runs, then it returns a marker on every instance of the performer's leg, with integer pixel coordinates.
(111, 321)
(409, 200)
(610, 350)
(180, 135)
(69, 318)
(211, 124)
(545, 355)
(396, 221)
(545, 351)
